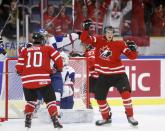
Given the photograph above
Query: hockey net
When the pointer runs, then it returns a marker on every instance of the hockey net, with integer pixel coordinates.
(12, 97)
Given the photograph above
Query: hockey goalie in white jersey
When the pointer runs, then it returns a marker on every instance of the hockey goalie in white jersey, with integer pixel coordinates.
(68, 76)
(63, 89)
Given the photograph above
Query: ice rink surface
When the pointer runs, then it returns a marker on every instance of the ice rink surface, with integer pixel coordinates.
(151, 118)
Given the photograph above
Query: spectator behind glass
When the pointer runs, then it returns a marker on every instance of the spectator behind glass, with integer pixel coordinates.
(51, 23)
(10, 29)
(80, 15)
(66, 22)
(116, 16)
(138, 26)
(96, 11)
(158, 22)
(148, 13)
(3, 16)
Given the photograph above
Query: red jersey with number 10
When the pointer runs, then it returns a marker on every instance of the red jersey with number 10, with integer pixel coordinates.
(34, 65)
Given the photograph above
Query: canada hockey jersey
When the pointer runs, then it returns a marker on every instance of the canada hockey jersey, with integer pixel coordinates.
(90, 54)
(34, 65)
(108, 53)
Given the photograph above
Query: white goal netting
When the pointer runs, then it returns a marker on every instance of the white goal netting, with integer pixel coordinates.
(12, 98)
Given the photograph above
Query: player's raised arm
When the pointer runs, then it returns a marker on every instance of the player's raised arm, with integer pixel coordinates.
(85, 37)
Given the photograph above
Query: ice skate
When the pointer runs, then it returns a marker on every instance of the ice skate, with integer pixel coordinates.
(132, 121)
(28, 121)
(104, 121)
(56, 123)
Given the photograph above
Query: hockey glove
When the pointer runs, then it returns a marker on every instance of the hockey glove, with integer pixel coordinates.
(131, 45)
(86, 24)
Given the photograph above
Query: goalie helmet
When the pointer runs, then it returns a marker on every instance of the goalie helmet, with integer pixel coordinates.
(65, 58)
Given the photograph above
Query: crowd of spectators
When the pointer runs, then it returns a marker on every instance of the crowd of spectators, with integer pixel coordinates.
(128, 17)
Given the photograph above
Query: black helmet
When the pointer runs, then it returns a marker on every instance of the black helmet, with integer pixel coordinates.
(108, 28)
(37, 37)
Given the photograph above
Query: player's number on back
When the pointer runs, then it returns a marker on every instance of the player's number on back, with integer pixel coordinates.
(34, 60)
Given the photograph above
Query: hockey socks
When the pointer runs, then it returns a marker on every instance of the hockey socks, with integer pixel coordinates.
(52, 109)
(127, 102)
(105, 112)
(29, 109)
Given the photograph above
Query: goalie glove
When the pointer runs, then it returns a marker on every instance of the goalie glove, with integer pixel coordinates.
(86, 24)
(131, 45)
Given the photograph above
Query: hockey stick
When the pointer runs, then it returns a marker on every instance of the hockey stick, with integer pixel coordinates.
(6, 22)
(71, 43)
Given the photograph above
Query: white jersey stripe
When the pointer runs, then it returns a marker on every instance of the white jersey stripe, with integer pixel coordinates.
(33, 75)
(125, 50)
(20, 64)
(54, 53)
(20, 58)
(109, 72)
(116, 68)
(57, 57)
(37, 80)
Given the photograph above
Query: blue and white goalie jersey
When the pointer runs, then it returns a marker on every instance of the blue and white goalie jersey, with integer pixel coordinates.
(59, 42)
(68, 76)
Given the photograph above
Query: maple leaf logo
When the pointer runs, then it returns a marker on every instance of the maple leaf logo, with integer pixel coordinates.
(105, 53)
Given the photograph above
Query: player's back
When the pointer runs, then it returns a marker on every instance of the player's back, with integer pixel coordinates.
(35, 69)
(37, 59)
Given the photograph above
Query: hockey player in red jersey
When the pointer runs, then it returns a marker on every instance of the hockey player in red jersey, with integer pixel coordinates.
(34, 67)
(111, 70)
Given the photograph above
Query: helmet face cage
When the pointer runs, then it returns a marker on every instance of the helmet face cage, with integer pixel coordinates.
(65, 58)
(108, 28)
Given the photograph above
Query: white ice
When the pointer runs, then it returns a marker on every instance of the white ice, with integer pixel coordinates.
(151, 118)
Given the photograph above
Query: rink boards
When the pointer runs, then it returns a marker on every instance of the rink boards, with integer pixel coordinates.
(147, 79)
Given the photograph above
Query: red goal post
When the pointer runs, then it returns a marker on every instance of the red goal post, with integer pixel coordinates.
(12, 97)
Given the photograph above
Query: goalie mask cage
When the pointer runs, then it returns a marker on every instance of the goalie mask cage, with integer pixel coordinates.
(12, 98)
